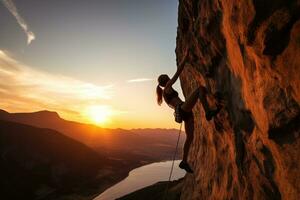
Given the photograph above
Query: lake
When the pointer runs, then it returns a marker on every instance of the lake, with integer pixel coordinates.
(142, 177)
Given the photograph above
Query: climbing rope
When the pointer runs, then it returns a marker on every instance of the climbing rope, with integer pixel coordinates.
(174, 156)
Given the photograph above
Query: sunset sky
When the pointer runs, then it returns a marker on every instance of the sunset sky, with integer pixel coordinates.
(93, 61)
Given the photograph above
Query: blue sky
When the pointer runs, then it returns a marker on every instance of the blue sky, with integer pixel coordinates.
(104, 43)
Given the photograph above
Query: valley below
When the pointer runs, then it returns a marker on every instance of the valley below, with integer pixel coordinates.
(46, 157)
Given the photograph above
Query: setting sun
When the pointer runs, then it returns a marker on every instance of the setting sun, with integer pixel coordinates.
(99, 114)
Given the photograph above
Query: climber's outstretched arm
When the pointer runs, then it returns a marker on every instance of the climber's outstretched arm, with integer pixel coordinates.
(178, 72)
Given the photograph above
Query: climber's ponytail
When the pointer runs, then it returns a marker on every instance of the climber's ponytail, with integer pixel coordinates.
(159, 93)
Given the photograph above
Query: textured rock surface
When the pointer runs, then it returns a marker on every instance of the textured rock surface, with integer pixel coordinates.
(249, 50)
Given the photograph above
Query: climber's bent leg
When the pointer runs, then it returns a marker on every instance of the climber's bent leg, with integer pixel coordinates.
(199, 93)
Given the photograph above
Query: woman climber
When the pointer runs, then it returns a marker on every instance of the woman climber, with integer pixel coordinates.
(183, 110)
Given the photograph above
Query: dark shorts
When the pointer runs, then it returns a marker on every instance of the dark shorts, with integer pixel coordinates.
(181, 115)
(185, 115)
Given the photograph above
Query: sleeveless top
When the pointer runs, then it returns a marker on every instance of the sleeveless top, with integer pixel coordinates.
(169, 96)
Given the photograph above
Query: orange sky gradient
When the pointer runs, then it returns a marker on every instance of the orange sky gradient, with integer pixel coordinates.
(93, 62)
(118, 105)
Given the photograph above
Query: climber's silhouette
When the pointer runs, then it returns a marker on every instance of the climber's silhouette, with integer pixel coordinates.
(183, 110)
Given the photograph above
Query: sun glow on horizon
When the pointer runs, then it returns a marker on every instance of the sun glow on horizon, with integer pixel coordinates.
(99, 114)
(26, 89)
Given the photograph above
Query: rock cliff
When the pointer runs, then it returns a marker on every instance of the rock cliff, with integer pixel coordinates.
(248, 53)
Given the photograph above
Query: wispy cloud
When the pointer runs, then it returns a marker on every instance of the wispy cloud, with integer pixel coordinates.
(9, 4)
(139, 80)
(22, 88)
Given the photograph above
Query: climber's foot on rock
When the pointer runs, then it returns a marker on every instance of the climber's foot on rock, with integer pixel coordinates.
(184, 165)
(210, 114)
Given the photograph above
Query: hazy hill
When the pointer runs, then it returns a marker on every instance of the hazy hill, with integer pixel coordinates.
(43, 163)
(131, 146)
(48, 119)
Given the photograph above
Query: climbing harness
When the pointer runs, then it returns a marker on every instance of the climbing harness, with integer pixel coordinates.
(174, 156)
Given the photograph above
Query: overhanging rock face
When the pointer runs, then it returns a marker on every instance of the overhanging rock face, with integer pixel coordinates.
(249, 52)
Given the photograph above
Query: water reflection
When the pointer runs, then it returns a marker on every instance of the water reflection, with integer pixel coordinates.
(142, 177)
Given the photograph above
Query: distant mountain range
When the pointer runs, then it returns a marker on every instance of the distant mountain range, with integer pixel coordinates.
(43, 156)
(139, 144)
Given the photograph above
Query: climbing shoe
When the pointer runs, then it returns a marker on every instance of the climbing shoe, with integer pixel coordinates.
(210, 114)
(184, 165)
